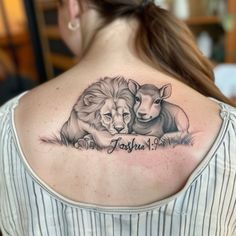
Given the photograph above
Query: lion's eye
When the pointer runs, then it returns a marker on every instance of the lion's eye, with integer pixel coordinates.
(108, 115)
(157, 101)
(125, 114)
(137, 99)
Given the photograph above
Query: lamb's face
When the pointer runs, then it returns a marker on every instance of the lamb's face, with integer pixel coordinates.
(148, 99)
(147, 107)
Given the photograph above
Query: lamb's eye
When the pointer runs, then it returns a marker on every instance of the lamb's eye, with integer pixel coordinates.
(108, 115)
(137, 99)
(125, 114)
(157, 101)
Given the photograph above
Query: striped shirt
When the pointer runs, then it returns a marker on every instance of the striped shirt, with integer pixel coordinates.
(206, 206)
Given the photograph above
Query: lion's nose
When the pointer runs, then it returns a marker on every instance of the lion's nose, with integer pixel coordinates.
(141, 114)
(118, 129)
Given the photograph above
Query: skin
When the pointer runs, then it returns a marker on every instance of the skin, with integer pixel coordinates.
(88, 46)
(82, 176)
(67, 13)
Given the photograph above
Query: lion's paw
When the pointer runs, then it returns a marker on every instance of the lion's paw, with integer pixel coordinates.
(90, 141)
(86, 143)
(81, 144)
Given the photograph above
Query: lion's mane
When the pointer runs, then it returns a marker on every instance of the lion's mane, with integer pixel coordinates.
(91, 101)
(87, 108)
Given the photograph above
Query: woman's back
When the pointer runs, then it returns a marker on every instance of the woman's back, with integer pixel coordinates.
(95, 176)
(61, 190)
(114, 146)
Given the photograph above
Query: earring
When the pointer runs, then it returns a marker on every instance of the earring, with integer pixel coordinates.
(73, 26)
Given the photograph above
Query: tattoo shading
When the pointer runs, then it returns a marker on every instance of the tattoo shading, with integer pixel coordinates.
(155, 116)
(115, 113)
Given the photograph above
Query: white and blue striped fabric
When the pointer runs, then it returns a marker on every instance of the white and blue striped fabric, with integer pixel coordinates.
(206, 206)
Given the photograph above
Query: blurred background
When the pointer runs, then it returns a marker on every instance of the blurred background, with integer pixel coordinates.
(31, 51)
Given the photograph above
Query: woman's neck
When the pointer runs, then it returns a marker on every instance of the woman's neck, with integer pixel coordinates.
(111, 46)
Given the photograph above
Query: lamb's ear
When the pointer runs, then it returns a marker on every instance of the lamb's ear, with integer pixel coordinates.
(88, 99)
(165, 91)
(133, 86)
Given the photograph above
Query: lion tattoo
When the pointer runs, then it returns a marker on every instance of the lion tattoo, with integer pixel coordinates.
(106, 105)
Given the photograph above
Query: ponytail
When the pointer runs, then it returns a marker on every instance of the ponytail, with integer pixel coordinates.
(165, 43)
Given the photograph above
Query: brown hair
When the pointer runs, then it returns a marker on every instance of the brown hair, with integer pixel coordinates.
(165, 42)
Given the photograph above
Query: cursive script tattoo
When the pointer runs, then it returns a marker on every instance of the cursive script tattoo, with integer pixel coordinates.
(129, 147)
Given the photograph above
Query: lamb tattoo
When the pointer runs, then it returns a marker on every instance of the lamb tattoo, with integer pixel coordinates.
(115, 113)
(155, 116)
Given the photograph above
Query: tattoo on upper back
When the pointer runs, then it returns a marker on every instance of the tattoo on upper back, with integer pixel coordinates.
(115, 113)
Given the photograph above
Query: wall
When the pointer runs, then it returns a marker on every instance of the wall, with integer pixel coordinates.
(16, 16)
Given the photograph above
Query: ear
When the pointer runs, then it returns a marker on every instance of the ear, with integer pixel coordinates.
(133, 86)
(74, 8)
(88, 99)
(165, 91)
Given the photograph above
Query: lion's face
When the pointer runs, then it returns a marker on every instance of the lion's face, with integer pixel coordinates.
(115, 116)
